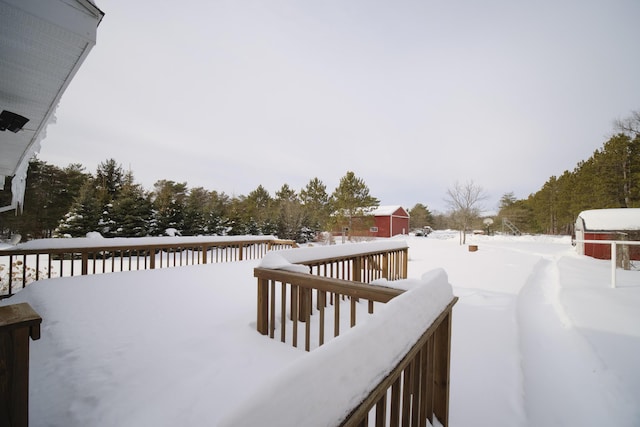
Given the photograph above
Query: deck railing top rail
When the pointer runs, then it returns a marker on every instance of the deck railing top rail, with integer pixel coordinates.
(343, 287)
(322, 254)
(56, 246)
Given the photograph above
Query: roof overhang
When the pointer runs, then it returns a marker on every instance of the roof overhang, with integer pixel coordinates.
(43, 43)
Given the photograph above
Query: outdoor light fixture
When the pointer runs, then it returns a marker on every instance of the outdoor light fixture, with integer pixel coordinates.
(11, 121)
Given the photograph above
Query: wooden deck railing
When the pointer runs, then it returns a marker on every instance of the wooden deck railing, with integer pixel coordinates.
(294, 306)
(20, 267)
(277, 289)
(364, 267)
(18, 323)
(417, 389)
(341, 278)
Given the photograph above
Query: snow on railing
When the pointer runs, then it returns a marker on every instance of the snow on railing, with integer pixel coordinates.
(614, 244)
(48, 258)
(326, 275)
(392, 369)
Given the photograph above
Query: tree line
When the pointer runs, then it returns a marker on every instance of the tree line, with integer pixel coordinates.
(610, 178)
(69, 202)
(72, 202)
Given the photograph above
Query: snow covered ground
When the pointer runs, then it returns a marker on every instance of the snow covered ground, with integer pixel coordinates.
(539, 339)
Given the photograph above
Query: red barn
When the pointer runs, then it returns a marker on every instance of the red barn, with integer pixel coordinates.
(607, 224)
(389, 221)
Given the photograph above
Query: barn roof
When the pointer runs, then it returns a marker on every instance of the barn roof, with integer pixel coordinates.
(42, 45)
(385, 210)
(611, 219)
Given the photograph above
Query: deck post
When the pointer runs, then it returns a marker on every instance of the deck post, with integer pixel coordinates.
(442, 369)
(85, 264)
(405, 263)
(18, 323)
(205, 252)
(262, 322)
(356, 274)
(385, 266)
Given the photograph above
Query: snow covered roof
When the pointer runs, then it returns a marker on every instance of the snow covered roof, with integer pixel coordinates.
(42, 45)
(611, 219)
(384, 210)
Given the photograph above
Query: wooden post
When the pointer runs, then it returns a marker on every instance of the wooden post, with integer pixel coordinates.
(405, 262)
(85, 263)
(152, 258)
(263, 306)
(385, 266)
(442, 366)
(357, 269)
(18, 323)
(304, 306)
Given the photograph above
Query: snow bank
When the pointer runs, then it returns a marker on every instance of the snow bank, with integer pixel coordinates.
(339, 375)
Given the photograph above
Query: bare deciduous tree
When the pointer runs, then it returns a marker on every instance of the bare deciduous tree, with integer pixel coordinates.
(629, 125)
(463, 200)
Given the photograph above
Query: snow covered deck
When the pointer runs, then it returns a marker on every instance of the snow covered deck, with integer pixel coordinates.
(539, 339)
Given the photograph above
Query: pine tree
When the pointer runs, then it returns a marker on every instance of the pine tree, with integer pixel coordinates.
(315, 203)
(420, 216)
(131, 212)
(290, 214)
(49, 194)
(84, 215)
(196, 212)
(350, 199)
(109, 179)
(217, 219)
(258, 214)
(168, 200)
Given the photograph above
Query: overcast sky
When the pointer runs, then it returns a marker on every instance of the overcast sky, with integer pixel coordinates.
(410, 95)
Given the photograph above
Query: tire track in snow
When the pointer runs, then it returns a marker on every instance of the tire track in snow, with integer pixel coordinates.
(563, 378)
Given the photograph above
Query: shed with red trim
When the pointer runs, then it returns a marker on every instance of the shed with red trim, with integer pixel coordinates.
(607, 224)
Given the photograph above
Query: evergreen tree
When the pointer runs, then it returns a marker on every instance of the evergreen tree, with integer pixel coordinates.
(84, 214)
(290, 220)
(168, 200)
(196, 212)
(515, 211)
(238, 223)
(217, 220)
(315, 203)
(420, 216)
(131, 212)
(619, 168)
(49, 195)
(109, 179)
(258, 212)
(351, 198)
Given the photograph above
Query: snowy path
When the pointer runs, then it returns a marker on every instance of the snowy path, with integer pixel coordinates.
(486, 377)
(556, 360)
(539, 338)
